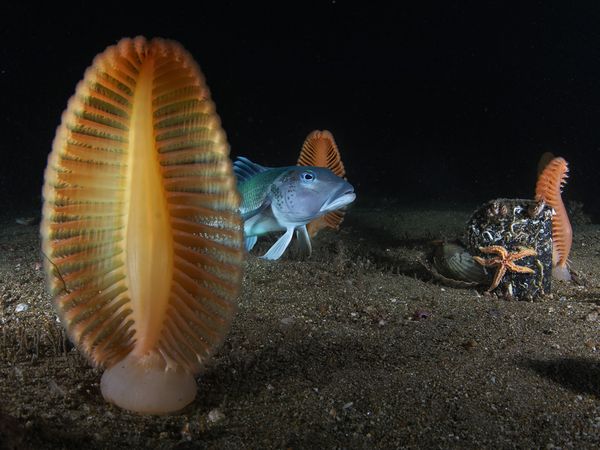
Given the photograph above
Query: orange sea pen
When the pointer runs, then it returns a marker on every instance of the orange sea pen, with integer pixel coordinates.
(320, 150)
(543, 162)
(548, 188)
(140, 224)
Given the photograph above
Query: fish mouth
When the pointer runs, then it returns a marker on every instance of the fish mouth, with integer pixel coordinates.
(339, 201)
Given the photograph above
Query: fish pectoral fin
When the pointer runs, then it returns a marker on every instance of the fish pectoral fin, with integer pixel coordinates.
(250, 242)
(303, 241)
(279, 247)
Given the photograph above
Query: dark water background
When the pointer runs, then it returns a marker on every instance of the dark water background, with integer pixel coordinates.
(448, 102)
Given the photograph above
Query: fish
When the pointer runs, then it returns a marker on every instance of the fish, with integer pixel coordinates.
(140, 224)
(286, 199)
(553, 173)
(319, 149)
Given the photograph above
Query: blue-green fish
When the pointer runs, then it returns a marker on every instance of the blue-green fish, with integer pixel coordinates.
(286, 199)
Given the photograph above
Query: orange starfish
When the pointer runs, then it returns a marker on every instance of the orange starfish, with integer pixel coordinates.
(504, 261)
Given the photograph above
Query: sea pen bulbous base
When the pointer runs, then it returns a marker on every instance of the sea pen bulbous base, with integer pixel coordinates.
(561, 273)
(145, 385)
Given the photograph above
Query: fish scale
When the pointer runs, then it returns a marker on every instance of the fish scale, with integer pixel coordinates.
(256, 189)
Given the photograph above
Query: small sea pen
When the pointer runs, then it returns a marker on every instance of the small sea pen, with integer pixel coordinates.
(549, 186)
(320, 150)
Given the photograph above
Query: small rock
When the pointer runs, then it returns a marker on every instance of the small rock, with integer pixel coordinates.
(186, 434)
(18, 373)
(347, 406)
(469, 345)
(592, 316)
(369, 310)
(21, 307)
(214, 415)
(287, 321)
(495, 312)
(420, 314)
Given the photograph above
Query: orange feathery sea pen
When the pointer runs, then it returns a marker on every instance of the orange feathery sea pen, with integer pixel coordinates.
(543, 162)
(140, 224)
(548, 188)
(320, 150)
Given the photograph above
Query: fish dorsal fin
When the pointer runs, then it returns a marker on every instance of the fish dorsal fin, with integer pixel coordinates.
(245, 169)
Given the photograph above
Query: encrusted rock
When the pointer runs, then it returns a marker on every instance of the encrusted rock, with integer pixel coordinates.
(515, 225)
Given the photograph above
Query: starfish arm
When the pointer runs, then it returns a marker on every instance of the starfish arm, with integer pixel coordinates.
(522, 254)
(531, 250)
(520, 269)
(486, 262)
(497, 249)
(497, 278)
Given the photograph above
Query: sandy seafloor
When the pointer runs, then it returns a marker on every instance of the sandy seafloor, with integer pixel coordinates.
(355, 347)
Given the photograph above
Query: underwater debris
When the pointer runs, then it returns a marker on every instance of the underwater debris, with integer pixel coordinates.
(513, 229)
(21, 307)
(453, 265)
(28, 221)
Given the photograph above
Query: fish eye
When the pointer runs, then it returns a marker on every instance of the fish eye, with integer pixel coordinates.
(308, 176)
